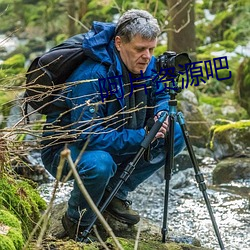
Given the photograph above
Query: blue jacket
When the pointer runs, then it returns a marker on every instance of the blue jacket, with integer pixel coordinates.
(89, 118)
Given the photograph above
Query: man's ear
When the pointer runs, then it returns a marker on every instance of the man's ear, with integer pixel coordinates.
(118, 42)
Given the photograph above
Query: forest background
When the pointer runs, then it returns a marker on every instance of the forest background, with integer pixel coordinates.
(205, 29)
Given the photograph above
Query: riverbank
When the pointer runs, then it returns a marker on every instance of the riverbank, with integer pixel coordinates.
(188, 216)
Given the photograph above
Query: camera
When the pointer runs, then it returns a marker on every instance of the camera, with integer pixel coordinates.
(170, 59)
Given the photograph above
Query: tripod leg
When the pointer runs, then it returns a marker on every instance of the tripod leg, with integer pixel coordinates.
(168, 173)
(199, 176)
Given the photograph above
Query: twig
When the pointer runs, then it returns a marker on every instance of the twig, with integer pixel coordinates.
(137, 236)
(77, 21)
(66, 154)
(99, 238)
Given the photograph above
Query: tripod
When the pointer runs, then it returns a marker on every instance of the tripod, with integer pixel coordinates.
(168, 166)
(170, 162)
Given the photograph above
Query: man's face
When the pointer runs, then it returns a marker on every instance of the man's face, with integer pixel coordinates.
(137, 53)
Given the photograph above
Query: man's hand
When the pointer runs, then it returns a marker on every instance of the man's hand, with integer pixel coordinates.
(164, 128)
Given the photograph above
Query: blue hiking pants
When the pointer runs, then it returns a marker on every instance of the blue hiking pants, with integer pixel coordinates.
(100, 170)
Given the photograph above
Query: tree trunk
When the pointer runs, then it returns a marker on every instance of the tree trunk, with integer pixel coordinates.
(72, 13)
(181, 28)
(83, 7)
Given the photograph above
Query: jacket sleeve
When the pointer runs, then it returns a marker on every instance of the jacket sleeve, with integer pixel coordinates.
(88, 115)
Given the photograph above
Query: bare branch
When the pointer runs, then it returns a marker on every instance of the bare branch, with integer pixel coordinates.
(77, 21)
(66, 154)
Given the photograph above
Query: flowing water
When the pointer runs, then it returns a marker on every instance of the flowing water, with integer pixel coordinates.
(187, 212)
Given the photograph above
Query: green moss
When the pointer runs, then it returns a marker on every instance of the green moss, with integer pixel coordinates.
(229, 45)
(9, 219)
(16, 61)
(91, 247)
(128, 244)
(60, 38)
(234, 125)
(16, 237)
(220, 132)
(22, 200)
(12, 71)
(6, 243)
(6, 96)
(212, 100)
(242, 84)
(222, 122)
(13, 239)
(219, 102)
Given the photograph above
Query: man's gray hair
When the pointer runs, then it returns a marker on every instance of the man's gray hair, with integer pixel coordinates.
(137, 22)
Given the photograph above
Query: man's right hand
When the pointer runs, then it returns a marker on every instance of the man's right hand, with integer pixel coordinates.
(163, 129)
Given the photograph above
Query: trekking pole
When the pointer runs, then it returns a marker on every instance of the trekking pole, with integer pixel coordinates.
(129, 168)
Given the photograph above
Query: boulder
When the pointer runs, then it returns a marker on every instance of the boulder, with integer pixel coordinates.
(150, 235)
(231, 169)
(197, 125)
(231, 139)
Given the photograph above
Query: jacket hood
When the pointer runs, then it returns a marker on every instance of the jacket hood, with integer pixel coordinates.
(98, 42)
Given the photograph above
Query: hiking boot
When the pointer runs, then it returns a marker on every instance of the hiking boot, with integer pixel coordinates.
(75, 231)
(121, 211)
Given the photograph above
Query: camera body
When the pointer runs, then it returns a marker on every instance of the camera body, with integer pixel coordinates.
(170, 59)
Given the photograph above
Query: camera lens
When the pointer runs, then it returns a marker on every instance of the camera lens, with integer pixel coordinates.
(182, 59)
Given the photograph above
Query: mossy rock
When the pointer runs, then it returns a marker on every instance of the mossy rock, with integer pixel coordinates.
(128, 244)
(219, 104)
(10, 231)
(242, 85)
(150, 235)
(21, 199)
(232, 139)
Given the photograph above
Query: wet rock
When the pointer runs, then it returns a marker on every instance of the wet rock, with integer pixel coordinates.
(231, 169)
(181, 179)
(188, 215)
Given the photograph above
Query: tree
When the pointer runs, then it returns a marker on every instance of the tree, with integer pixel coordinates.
(181, 27)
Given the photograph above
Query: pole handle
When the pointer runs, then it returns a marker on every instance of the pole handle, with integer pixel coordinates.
(153, 131)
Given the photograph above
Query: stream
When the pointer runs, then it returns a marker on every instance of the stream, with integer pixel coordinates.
(187, 212)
